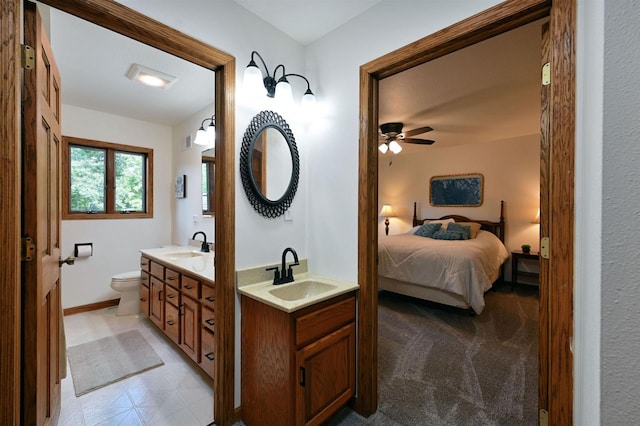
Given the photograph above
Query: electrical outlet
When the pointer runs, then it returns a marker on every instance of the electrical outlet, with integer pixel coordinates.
(288, 217)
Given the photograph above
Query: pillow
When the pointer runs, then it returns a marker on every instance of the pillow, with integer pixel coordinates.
(427, 230)
(442, 222)
(475, 227)
(447, 235)
(460, 229)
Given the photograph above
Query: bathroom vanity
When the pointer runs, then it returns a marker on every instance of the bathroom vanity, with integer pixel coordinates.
(298, 350)
(178, 295)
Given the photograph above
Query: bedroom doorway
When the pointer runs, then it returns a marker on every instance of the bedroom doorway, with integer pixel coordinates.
(557, 192)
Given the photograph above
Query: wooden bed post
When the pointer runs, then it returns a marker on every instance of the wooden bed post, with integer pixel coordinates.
(415, 214)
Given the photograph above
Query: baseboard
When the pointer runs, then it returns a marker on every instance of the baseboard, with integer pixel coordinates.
(91, 307)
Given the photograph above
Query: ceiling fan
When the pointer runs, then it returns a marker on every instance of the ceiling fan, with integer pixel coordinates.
(391, 134)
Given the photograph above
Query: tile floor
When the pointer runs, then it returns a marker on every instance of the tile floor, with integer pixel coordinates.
(176, 393)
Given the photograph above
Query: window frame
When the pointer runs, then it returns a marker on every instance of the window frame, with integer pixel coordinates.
(111, 148)
(210, 163)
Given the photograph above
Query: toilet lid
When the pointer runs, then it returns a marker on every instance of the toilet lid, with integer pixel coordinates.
(126, 276)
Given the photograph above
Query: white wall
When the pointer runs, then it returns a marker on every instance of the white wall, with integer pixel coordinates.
(188, 217)
(511, 171)
(116, 243)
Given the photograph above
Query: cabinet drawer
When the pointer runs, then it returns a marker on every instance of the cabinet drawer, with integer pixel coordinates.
(318, 323)
(208, 318)
(191, 287)
(157, 270)
(144, 263)
(208, 352)
(172, 295)
(172, 278)
(144, 299)
(208, 296)
(172, 323)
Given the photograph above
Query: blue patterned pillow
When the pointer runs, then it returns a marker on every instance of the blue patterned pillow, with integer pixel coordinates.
(461, 229)
(447, 235)
(427, 230)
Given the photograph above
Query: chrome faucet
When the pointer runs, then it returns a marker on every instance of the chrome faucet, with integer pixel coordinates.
(282, 277)
(205, 245)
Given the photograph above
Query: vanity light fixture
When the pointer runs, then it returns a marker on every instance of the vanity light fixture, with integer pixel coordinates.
(387, 212)
(150, 77)
(256, 84)
(208, 136)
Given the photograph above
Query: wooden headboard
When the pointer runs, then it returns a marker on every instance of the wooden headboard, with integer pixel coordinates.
(496, 228)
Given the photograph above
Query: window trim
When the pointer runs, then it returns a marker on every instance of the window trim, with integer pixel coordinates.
(210, 163)
(67, 141)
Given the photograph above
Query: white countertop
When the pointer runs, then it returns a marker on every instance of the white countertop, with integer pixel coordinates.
(262, 292)
(201, 264)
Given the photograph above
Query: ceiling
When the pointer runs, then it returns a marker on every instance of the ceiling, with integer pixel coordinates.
(489, 91)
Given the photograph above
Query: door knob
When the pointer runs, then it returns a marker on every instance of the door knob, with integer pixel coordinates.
(69, 261)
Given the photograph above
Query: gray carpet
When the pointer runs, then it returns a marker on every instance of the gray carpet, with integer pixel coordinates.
(441, 366)
(104, 361)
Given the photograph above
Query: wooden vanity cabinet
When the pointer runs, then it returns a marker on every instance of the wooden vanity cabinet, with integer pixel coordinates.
(297, 368)
(176, 301)
(144, 292)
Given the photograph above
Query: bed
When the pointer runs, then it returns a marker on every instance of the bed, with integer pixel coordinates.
(455, 273)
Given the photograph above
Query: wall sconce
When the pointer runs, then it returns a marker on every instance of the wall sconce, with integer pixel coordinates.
(205, 137)
(255, 84)
(387, 212)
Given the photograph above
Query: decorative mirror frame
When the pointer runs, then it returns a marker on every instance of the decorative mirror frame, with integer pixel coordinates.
(263, 205)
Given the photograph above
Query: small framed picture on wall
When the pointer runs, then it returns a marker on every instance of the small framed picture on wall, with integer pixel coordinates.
(181, 181)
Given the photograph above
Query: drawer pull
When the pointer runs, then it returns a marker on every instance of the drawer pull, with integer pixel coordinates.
(188, 287)
(170, 296)
(160, 295)
(302, 376)
(210, 321)
(210, 356)
(171, 278)
(181, 310)
(209, 299)
(170, 322)
(142, 299)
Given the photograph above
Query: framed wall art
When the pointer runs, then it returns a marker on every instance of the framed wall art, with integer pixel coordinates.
(456, 190)
(181, 181)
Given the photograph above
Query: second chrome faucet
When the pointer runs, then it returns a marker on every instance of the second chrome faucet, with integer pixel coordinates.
(282, 276)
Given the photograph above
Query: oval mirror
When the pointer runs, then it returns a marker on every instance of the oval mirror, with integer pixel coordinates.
(269, 164)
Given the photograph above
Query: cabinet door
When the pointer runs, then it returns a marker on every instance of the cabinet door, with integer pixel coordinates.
(190, 327)
(144, 300)
(325, 376)
(172, 323)
(156, 302)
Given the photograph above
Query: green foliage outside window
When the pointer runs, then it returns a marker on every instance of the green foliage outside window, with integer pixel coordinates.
(88, 176)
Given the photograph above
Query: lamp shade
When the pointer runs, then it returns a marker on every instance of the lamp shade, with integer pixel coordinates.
(395, 147)
(201, 137)
(537, 218)
(387, 211)
(383, 148)
(252, 81)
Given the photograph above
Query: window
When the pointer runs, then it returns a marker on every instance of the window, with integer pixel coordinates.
(106, 181)
(208, 182)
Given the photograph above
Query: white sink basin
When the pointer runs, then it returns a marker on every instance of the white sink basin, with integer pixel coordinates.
(183, 254)
(301, 290)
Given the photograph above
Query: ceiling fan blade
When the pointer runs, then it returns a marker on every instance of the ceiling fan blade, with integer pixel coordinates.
(417, 131)
(418, 141)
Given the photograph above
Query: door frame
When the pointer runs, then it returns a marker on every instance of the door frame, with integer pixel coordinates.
(132, 24)
(556, 384)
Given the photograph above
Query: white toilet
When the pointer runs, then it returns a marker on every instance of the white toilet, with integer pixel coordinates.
(128, 283)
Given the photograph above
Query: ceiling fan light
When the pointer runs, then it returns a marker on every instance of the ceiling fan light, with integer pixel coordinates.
(383, 148)
(395, 147)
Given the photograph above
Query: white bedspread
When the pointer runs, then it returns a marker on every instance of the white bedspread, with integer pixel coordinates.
(463, 267)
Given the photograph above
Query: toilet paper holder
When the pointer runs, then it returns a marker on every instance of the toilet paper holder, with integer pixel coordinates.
(83, 249)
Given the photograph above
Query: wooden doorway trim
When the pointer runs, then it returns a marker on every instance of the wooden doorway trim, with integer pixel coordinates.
(559, 303)
(130, 23)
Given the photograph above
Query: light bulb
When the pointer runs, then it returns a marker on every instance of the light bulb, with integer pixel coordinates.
(395, 147)
(284, 96)
(383, 148)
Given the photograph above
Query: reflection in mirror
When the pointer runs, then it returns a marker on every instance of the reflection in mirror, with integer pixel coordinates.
(208, 182)
(271, 163)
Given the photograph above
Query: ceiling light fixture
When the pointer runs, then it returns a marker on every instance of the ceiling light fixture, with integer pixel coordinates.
(208, 136)
(150, 77)
(391, 145)
(256, 84)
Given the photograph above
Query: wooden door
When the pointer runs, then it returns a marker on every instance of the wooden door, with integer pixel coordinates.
(326, 377)
(545, 139)
(42, 364)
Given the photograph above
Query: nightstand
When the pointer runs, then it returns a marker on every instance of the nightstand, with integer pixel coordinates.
(516, 257)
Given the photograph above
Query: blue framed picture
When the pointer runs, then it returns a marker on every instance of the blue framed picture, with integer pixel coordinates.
(456, 190)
